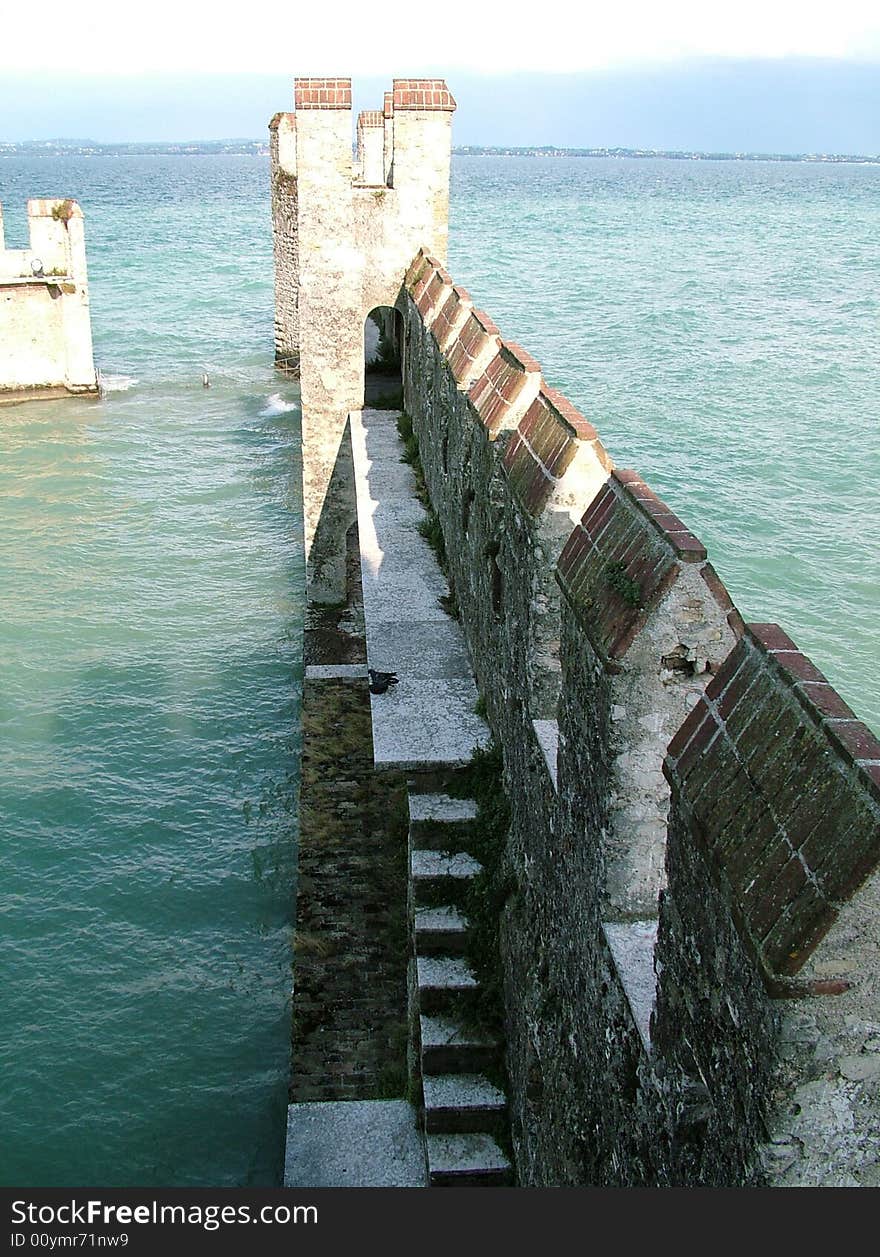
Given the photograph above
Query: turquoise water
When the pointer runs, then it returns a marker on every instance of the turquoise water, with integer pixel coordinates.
(149, 687)
(719, 323)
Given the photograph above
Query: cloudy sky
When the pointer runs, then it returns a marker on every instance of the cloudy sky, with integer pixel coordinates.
(643, 73)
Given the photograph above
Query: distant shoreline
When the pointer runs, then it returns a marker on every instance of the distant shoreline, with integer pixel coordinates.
(258, 148)
(477, 150)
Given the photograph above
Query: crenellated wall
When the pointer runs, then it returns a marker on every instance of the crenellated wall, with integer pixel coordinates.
(45, 328)
(691, 932)
(691, 928)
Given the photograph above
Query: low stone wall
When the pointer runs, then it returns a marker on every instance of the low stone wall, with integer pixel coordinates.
(671, 912)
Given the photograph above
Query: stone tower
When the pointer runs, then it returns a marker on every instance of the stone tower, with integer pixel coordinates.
(45, 328)
(345, 231)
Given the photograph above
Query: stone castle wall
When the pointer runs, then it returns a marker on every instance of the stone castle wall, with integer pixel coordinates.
(691, 927)
(45, 328)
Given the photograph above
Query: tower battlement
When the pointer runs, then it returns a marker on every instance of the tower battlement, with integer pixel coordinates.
(346, 227)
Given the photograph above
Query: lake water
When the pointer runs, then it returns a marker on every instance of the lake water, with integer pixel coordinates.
(719, 323)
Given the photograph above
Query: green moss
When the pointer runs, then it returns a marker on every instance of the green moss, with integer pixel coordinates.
(63, 212)
(623, 584)
(423, 266)
(430, 527)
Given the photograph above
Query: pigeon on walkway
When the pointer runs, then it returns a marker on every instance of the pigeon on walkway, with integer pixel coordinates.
(379, 681)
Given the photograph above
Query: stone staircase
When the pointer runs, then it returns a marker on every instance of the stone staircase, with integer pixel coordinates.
(463, 1110)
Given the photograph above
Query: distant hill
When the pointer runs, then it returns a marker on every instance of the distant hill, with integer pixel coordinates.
(92, 148)
(243, 147)
(547, 150)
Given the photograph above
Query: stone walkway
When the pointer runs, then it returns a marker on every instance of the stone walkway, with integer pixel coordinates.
(428, 720)
(349, 1033)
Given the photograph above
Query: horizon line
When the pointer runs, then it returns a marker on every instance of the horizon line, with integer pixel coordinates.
(461, 150)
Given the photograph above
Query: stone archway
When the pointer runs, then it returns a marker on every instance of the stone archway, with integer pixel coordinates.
(383, 359)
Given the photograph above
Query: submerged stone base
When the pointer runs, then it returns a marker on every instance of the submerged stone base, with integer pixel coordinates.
(46, 393)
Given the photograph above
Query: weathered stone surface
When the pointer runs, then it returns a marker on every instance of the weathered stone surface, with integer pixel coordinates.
(632, 945)
(428, 719)
(45, 328)
(456, 1159)
(452, 1101)
(345, 234)
(349, 999)
(367, 1143)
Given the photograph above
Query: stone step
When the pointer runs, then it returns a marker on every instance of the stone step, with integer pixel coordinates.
(473, 1160)
(462, 1104)
(450, 1048)
(440, 822)
(434, 873)
(440, 931)
(434, 780)
(444, 984)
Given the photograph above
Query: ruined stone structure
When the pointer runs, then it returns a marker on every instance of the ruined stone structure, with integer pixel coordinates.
(689, 935)
(345, 233)
(45, 330)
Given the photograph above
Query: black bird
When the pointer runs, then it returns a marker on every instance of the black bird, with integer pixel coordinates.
(379, 681)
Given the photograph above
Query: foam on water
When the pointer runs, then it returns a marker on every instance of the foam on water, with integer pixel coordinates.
(277, 405)
(116, 383)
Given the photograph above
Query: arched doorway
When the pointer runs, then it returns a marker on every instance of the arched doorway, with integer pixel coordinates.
(383, 355)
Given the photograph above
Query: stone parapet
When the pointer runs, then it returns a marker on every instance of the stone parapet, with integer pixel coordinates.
(701, 858)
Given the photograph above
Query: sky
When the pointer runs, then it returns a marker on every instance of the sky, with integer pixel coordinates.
(768, 75)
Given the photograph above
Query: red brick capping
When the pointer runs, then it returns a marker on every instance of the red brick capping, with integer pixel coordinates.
(477, 333)
(776, 779)
(422, 94)
(614, 567)
(370, 118)
(322, 93)
(420, 274)
(543, 446)
(415, 269)
(718, 590)
(688, 547)
(494, 394)
(433, 292)
(450, 313)
(388, 104)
